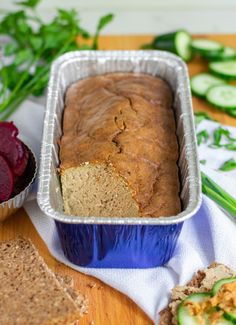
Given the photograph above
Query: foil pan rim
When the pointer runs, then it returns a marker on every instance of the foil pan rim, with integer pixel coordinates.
(44, 171)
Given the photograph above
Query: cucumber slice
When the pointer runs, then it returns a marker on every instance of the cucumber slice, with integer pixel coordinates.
(222, 96)
(227, 54)
(205, 46)
(219, 283)
(200, 83)
(183, 316)
(224, 322)
(177, 42)
(231, 316)
(226, 70)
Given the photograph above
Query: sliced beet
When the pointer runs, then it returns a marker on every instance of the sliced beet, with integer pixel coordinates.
(8, 127)
(6, 180)
(12, 148)
(21, 164)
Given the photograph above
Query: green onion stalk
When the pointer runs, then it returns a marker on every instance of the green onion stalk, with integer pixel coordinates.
(218, 195)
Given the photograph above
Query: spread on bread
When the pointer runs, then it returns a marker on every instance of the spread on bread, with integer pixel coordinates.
(215, 307)
(209, 298)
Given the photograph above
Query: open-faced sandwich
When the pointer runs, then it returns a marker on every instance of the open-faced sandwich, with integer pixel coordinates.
(209, 298)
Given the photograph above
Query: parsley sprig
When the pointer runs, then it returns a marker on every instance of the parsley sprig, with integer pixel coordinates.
(33, 45)
(223, 138)
(228, 165)
(201, 116)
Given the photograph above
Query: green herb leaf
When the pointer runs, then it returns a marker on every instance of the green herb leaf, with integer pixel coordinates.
(214, 146)
(201, 116)
(230, 146)
(10, 49)
(202, 137)
(36, 42)
(104, 21)
(35, 45)
(228, 165)
(101, 24)
(221, 133)
(203, 161)
(23, 56)
(28, 3)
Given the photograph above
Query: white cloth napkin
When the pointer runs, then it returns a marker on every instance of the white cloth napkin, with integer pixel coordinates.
(208, 236)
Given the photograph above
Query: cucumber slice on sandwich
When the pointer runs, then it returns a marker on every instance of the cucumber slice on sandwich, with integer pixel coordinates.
(222, 96)
(204, 46)
(219, 284)
(200, 83)
(231, 316)
(177, 42)
(186, 317)
(226, 70)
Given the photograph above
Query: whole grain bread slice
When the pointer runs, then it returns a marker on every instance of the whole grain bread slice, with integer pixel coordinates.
(202, 281)
(30, 293)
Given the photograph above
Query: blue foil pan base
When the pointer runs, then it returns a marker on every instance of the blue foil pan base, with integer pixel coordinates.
(118, 246)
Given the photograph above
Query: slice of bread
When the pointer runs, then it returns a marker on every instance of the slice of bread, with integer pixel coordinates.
(203, 281)
(30, 293)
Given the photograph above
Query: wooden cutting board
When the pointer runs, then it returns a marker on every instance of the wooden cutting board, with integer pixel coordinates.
(106, 305)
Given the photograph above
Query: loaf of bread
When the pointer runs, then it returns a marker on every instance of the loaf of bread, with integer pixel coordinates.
(119, 149)
(30, 293)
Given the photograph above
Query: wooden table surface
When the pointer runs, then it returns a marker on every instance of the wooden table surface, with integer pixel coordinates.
(106, 305)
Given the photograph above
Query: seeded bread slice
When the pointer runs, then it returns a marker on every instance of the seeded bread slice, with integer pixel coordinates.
(203, 281)
(30, 293)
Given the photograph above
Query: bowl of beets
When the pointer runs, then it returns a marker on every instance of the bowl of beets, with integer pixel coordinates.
(17, 170)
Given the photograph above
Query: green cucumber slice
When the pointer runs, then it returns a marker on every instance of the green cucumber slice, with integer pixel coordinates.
(177, 42)
(182, 43)
(219, 284)
(183, 316)
(226, 70)
(224, 322)
(204, 46)
(201, 82)
(230, 316)
(227, 54)
(222, 96)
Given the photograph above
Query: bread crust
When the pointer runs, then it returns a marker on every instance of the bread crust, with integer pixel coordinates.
(125, 120)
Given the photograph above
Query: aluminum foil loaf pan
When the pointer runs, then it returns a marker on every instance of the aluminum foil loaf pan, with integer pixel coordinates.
(118, 242)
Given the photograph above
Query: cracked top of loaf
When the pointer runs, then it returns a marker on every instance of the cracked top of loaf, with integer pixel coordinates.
(126, 120)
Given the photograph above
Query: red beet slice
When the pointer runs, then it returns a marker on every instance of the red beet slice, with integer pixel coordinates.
(8, 127)
(21, 164)
(12, 148)
(6, 180)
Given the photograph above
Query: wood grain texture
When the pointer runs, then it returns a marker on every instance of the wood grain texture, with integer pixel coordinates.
(106, 305)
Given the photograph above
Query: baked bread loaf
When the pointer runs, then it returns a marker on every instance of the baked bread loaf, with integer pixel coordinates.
(30, 293)
(119, 148)
(203, 281)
